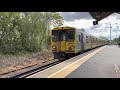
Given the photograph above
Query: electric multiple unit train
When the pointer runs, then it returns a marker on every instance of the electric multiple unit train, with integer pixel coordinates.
(68, 41)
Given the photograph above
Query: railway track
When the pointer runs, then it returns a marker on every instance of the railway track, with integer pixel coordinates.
(37, 69)
(32, 70)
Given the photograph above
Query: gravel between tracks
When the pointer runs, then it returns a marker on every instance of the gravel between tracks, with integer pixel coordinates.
(15, 63)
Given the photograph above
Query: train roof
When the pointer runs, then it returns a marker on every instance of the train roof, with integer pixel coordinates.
(65, 28)
(69, 28)
(86, 33)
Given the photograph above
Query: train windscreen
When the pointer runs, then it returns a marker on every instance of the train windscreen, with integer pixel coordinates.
(55, 35)
(62, 35)
(58, 35)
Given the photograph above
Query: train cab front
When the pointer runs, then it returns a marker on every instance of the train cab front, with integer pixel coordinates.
(63, 42)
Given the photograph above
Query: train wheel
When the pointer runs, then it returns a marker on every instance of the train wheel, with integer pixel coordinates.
(56, 55)
(67, 56)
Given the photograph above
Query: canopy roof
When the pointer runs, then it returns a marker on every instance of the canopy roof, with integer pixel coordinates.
(100, 15)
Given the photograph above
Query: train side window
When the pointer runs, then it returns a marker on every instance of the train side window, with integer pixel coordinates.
(87, 40)
(93, 40)
(79, 38)
(96, 40)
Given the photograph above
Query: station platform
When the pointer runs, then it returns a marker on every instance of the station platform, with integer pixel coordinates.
(102, 62)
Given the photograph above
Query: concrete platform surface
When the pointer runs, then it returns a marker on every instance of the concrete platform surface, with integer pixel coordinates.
(104, 64)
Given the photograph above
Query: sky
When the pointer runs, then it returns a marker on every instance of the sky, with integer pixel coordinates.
(84, 20)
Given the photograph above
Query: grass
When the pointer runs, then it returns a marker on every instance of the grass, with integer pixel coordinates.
(25, 54)
(23, 58)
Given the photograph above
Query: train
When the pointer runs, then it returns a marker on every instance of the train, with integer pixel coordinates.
(69, 41)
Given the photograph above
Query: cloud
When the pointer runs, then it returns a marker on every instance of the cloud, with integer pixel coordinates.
(83, 23)
(96, 27)
(72, 16)
(115, 15)
(84, 20)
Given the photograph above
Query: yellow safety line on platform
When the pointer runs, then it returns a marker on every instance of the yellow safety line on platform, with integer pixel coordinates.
(68, 69)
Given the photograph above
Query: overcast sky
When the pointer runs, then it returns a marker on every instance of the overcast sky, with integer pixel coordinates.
(84, 20)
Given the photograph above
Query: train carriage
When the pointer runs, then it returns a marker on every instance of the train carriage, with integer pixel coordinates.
(68, 41)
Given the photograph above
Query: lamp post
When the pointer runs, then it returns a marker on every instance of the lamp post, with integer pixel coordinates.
(110, 32)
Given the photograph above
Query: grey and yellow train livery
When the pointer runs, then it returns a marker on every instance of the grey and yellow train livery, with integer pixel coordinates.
(68, 41)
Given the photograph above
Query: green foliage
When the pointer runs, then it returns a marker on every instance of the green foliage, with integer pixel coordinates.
(26, 31)
(119, 39)
(82, 29)
(115, 41)
(105, 38)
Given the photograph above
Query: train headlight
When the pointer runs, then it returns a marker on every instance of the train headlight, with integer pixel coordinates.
(72, 47)
(53, 47)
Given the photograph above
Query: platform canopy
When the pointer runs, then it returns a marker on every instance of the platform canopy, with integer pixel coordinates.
(98, 16)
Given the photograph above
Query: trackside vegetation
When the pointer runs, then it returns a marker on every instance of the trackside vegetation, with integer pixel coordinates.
(27, 31)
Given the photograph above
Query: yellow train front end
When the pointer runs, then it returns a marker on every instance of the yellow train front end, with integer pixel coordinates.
(63, 42)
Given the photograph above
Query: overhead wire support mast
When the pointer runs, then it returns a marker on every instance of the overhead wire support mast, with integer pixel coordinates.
(110, 33)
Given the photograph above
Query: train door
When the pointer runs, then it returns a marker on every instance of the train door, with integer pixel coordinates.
(90, 41)
(56, 40)
(82, 43)
(62, 40)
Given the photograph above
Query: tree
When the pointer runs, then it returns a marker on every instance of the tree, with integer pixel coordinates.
(29, 31)
(115, 41)
(105, 38)
(82, 29)
(119, 39)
